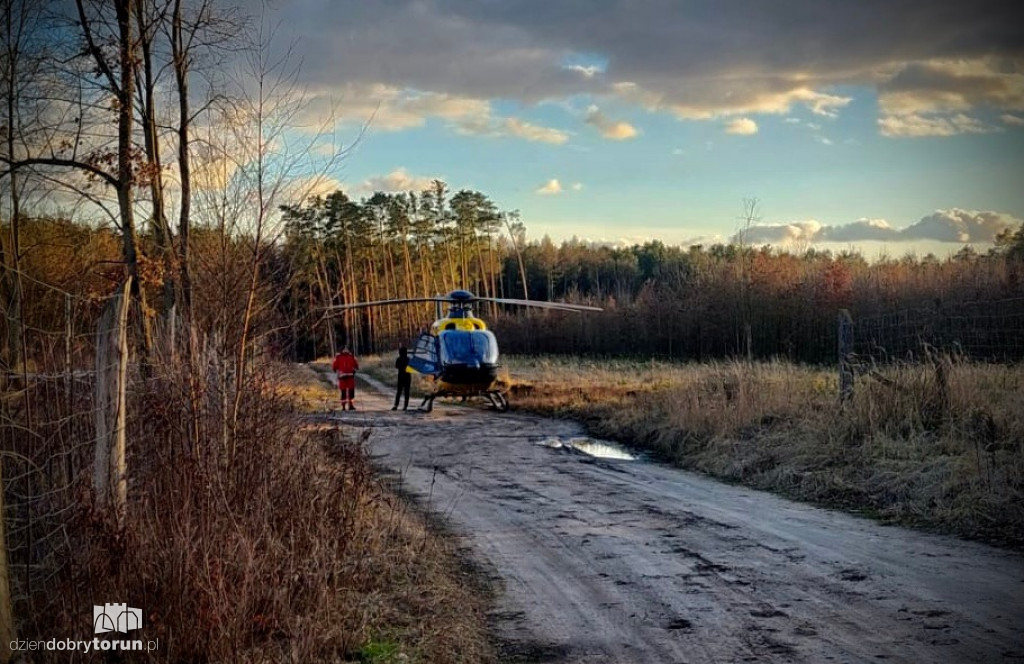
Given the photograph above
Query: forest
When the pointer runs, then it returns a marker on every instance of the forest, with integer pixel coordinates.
(683, 303)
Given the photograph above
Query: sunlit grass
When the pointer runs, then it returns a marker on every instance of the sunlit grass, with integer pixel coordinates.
(916, 444)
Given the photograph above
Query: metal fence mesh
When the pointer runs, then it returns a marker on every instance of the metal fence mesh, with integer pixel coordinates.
(985, 331)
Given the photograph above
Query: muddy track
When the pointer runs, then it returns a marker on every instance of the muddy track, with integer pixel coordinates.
(630, 561)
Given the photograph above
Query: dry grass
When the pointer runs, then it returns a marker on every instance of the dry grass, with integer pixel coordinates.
(281, 546)
(939, 448)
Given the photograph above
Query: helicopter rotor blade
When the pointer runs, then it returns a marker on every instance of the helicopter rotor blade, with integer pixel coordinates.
(384, 303)
(541, 304)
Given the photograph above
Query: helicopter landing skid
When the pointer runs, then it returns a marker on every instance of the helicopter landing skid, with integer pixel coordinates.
(497, 400)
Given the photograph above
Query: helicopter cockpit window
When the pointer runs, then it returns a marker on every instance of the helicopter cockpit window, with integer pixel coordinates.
(425, 348)
(468, 347)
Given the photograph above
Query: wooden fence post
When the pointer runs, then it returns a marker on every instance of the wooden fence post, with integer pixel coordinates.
(845, 353)
(109, 479)
(69, 333)
(169, 334)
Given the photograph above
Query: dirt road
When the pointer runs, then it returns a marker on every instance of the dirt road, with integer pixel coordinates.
(605, 560)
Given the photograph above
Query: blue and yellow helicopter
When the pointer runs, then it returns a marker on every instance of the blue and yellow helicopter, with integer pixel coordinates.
(459, 355)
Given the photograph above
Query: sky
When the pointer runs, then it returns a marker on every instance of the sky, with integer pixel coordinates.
(894, 126)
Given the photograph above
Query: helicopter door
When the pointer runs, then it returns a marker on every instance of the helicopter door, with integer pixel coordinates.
(424, 355)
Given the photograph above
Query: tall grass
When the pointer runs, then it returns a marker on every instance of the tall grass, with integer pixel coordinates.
(276, 543)
(936, 445)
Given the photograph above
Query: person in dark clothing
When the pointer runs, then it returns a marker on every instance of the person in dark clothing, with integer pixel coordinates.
(404, 378)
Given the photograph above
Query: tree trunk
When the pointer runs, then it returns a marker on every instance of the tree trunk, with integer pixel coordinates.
(181, 67)
(125, 171)
(161, 229)
(11, 277)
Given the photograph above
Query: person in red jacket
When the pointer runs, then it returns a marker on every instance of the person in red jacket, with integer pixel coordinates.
(346, 365)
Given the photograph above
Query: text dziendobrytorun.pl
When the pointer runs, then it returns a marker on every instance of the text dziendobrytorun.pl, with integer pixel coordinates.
(72, 645)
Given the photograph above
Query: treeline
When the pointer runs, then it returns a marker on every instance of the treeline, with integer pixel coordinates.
(687, 303)
(693, 302)
(727, 301)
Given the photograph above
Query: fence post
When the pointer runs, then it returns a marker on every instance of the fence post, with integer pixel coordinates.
(7, 634)
(845, 352)
(109, 479)
(170, 334)
(69, 331)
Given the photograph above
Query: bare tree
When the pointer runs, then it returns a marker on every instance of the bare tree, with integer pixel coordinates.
(191, 32)
(252, 165)
(110, 46)
(19, 60)
(749, 217)
(517, 233)
(149, 16)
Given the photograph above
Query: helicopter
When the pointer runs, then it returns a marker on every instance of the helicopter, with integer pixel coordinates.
(458, 354)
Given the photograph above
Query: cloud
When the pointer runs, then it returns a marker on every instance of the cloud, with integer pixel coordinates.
(1014, 120)
(398, 180)
(577, 186)
(953, 225)
(938, 97)
(610, 129)
(960, 226)
(932, 125)
(514, 127)
(387, 108)
(943, 86)
(588, 71)
(710, 98)
(779, 233)
(317, 185)
(820, 103)
(862, 230)
(741, 127)
(688, 59)
(213, 173)
(549, 188)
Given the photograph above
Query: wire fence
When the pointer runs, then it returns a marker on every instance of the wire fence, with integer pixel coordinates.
(983, 331)
(896, 347)
(64, 421)
(47, 437)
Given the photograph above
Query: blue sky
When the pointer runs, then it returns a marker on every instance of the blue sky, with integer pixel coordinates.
(896, 125)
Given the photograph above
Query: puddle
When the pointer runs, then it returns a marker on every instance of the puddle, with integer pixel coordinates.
(602, 449)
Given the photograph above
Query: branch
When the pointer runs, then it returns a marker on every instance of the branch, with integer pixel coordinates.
(86, 195)
(14, 165)
(97, 55)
